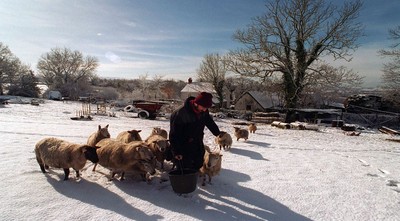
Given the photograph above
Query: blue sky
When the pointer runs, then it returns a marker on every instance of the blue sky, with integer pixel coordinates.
(167, 38)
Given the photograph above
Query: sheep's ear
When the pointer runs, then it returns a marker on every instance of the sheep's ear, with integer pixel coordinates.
(84, 148)
(106, 126)
(139, 131)
(99, 127)
(97, 147)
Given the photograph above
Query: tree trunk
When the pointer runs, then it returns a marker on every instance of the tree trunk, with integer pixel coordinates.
(291, 97)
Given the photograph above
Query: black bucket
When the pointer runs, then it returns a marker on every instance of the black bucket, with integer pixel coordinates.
(183, 181)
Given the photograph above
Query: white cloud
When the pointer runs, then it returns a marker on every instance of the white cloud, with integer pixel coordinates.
(113, 57)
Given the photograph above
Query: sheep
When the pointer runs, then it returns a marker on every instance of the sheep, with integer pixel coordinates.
(59, 153)
(211, 166)
(144, 168)
(95, 137)
(241, 133)
(252, 128)
(130, 135)
(100, 134)
(159, 131)
(224, 140)
(158, 145)
(125, 157)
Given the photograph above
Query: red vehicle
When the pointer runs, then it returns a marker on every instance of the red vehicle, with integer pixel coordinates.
(146, 109)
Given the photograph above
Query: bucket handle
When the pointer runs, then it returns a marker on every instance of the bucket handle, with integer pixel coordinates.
(180, 165)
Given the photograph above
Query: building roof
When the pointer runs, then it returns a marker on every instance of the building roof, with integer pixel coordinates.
(197, 87)
(262, 99)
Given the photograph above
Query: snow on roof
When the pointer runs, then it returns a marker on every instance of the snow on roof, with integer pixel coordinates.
(264, 100)
(197, 87)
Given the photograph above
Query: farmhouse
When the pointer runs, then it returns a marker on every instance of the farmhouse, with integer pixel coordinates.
(194, 88)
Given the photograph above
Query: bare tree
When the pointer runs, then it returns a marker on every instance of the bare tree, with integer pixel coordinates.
(213, 69)
(144, 85)
(156, 85)
(330, 84)
(391, 70)
(171, 88)
(291, 37)
(67, 71)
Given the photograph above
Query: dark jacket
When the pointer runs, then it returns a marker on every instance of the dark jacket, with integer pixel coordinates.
(187, 132)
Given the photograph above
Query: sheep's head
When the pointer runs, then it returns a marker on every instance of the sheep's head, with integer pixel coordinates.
(161, 145)
(90, 153)
(144, 152)
(104, 131)
(213, 159)
(159, 131)
(147, 167)
(135, 134)
(221, 134)
(156, 130)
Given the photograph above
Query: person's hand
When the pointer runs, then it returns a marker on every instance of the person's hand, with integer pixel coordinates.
(178, 157)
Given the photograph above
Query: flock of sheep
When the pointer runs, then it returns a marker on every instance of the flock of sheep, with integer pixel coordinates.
(126, 153)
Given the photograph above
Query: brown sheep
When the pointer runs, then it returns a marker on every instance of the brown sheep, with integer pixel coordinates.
(125, 157)
(158, 145)
(130, 135)
(211, 166)
(59, 153)
(142, 167)
(100, 134)
(95, 137)
(224, 140)
(159, 131)
(252, 128)
(241, 133)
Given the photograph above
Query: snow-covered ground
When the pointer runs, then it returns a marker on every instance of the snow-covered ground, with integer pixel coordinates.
(276, 174)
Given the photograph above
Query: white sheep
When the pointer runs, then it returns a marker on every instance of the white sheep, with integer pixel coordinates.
(159, 131)
(211, 166)
(241, 133)
(130, 135)
(54, 152)
(125, 157)
(158, 145)
(252, 128)
(224, 140)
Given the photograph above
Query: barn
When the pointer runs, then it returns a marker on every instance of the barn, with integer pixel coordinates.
(256, 101)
